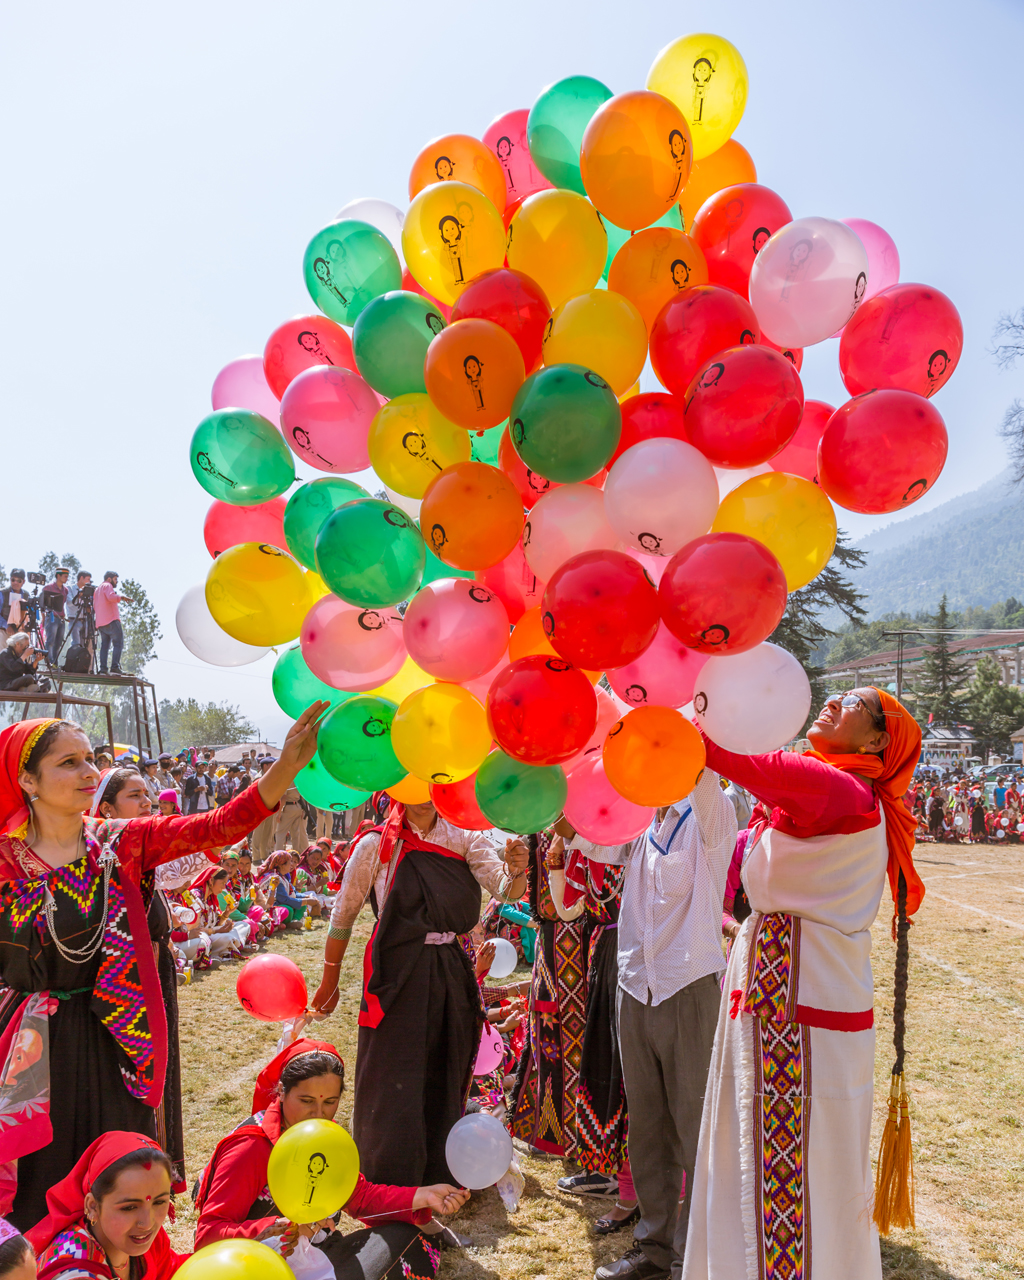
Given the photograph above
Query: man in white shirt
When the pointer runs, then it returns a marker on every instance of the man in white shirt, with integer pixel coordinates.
(670, 962)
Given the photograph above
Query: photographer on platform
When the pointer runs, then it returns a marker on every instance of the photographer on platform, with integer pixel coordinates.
(10, 599)
(108, 622)
(18, 671)
(79, 610)
(55, 597)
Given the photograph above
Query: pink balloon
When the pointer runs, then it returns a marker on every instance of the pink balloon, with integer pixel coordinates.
(506, 137)
(325, 418)
(883, 256)
(490, 1053)
(227, 526)
(455, 629)
(655, 565)
(480, 686)
(663, 675)
(242, 385)
(608, 713)
(514, 583)
(352, 648)
(565, 522)
(596, 809)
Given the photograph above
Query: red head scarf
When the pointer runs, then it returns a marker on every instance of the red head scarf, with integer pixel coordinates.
(16, 745)
(206, 875)
(270, 1077)
(65, 1202)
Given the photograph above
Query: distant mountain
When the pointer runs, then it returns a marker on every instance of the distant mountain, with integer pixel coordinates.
(994, 493)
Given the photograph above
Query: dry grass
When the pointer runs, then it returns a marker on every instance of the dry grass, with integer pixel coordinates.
(965, 1070)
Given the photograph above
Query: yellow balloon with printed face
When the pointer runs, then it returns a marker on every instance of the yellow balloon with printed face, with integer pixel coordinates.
(451, 233)
(600, 330)
(791, 516)
(440, 733)
(258, 594)
(557, 238)
(410, 443)
(313, 1170)
(706, 78)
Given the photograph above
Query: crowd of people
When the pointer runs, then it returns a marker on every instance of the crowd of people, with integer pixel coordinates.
(681, 986)
(956, 809)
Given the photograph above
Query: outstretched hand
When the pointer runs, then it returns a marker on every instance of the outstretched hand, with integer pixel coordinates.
(299, 748)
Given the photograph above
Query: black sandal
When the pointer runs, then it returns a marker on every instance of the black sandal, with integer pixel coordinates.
(606, 1225)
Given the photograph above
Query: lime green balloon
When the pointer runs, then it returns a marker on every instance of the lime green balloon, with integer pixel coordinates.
(240, 457)
(347, 265)
(307, 509)
(523, 798)
(617, 237)
(556, 124)
(322, 791)
(295, 687)
(566, 422)
(434, 569)
(355, 743)
(390, 341)
(483, 445)
(370, 553)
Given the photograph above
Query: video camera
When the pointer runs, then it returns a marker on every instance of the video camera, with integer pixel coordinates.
(37, 579)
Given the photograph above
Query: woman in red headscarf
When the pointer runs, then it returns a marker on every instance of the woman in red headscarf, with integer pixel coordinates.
(305, 1082)
(83, 1030)
(787, 1114)
(106, 1218)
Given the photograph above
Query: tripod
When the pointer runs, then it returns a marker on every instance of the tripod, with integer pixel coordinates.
(30, 609)
(83, 625)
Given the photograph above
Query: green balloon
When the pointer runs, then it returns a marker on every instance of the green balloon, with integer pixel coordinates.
(390, 341)
(307, 509)
(318, 788)
(617, 237)
(295, 687)
(370, 553)
(483, 446)
(556, 124)
(566, 422)
(240, 457)
(355, 743)
(523, 798)
(347, 265)
(434, 569)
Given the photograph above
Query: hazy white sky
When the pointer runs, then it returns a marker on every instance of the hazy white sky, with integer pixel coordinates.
(164, 166)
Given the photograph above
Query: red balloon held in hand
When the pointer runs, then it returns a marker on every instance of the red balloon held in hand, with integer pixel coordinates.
(693, 327)
(800, 456)
(723, 593)
(744, 406)
(907, 338)
(600, 610)
(881, 451)
(732, 226)
(647, 416)
(541, 710)
(456, 803)
(227, 526)
(272, 988)
(301, 343)
(512, 300)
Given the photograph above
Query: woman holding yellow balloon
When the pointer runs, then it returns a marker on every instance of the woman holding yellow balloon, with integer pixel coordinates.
(289, 1169)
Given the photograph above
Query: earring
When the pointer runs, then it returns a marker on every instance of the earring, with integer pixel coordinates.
(32, 799)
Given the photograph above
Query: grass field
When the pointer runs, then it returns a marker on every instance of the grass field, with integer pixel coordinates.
(965, 1070)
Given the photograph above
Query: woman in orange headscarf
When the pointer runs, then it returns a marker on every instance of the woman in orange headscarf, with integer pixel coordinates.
(787, 1114)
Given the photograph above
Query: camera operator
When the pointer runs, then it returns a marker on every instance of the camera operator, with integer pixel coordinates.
(17, 671)
(108, 622)
(55, 597)
(79, 609)
(10, 602)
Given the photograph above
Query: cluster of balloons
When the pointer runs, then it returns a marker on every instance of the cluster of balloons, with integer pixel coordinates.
(558, 565)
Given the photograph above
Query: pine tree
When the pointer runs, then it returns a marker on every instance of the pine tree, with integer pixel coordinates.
(942, 684)
(996, 710)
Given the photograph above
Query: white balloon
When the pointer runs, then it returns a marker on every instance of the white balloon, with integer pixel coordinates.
(660, 495)
(808, 280)
(380, 214)
(566, 522)
(243, 385)
(505, 958)
(411, 506)
(752, 702)
(478, 1150)
(203, 637)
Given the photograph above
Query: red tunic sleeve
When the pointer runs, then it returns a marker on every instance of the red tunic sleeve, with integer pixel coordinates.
(371, 1203)
(239, 1177)
(161, 1260)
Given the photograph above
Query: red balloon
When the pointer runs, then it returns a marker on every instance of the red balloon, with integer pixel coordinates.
(514, 583)
(693, 327)
(732, 227)
(722, 593)
(456, 803)
(532, 486)
(227, 526)
(513, 301)
(800, 456)
(650, 415)
(908, 337)
(881, 451)
(411, 285)
(744, 406)
(795, 355)
(541, 710)
(272, 988)
(301, 343)
(600, 610)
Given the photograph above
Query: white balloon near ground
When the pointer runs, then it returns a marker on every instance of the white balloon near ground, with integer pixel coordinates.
(504, 958)
(752, 702)
(201, 635)
(660, 495)
(808, 280)
(386, 217)
(478, 1150)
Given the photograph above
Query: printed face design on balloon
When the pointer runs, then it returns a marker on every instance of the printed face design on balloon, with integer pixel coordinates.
(636, 694)
(717, 633)
(938, 363)
(414, 445)
(503, 148)
(760, 238)
(473, 369)
(434, 322)
(650, 542)
(444, 168)
(677, 145)
(680, 274)
(302, 438)
(315, 1170)
(396, 518)
(438, 537)
(548, 623)
(308, 341)
(442, 779)
(451, 235)
(527, 530)
(205, 464)
(859, 289)
(375, 727)
(915, 491)
(700, 703)
(323, 273)
(746, 338)
(518, 430)
(798, 256)
(370, 620)
(556, 664)
(481, 595)
(595, 379)
(538, 484)
(702, 73)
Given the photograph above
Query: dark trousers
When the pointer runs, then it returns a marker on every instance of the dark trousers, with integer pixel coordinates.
(376, 1252)
(111, 634)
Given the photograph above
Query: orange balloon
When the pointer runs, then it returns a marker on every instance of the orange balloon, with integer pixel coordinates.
(528, 638)
(655, 265)
(411, 790)
(459, 158)
(472, 515)
(635, 158)
(473, 370)
(653, 756)
(722, 168)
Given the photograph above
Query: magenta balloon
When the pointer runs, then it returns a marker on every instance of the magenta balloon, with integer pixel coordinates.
(352, 648)
(242, 385)
(608, 713)
(883, 256)
(455, 629)
(325, 417)
(490, 1053)
(596, 809)
(663, 675)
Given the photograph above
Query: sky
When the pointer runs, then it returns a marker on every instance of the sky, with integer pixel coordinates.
(165, 166)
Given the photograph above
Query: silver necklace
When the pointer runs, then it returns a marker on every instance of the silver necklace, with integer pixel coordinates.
(79, 955)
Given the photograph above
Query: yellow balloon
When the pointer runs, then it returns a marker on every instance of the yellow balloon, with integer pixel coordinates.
(410, 677)
(258, 594)
(313, 1170)
(316, 587)
(634, 390)
(235, 1260)
(705, 76)
(557, 238)
(441, 733)
(410, 790)
(451, 233)
(410, 443)
(791, 516)
(603, 331)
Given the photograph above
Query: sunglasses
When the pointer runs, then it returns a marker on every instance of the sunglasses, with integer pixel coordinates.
(851, 700)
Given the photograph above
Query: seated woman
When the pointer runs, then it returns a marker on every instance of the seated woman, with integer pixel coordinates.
(276, 883)
(305, 1082)
(227, 937)
(106, 1218)
(312, 874)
